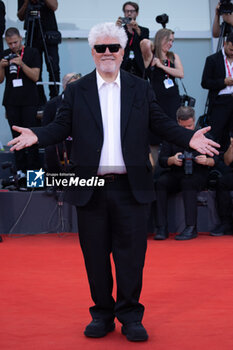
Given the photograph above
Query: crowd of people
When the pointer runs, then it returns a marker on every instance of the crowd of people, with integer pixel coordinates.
(115, 115)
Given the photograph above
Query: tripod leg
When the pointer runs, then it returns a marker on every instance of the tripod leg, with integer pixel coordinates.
(47, 56)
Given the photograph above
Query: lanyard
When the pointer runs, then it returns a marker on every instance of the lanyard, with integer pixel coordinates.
(228, 68)
(22, 53)
(131, 40)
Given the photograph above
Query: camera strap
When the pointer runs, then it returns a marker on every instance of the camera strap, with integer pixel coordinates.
(21, 55)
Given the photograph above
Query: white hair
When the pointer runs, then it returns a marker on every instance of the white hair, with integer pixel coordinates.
(68, 77)
(108, 29)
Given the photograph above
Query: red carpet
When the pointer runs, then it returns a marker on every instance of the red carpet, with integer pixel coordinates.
(44, 295)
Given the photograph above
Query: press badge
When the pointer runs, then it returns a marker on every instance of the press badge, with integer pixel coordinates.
(168, 83)
(17, 82)
(131, 54)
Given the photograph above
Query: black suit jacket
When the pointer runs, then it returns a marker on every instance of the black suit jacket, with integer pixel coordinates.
(213, 76)
(80, 117)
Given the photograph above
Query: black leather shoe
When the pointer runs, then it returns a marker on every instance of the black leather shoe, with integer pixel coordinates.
(98, 328)
(161, 234)
(221, 230)
(0, 239)
(134, 331)
(188, 233)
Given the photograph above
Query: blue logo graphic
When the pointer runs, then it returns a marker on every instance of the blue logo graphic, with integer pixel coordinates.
(35, 178)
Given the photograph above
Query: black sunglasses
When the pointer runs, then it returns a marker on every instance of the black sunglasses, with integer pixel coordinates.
(102, 48)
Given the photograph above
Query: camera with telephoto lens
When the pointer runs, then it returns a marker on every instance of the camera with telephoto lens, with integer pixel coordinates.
(186, 100)
(13, 68)
(188, 158)
(226, 7)
(17, 179)
(126, 20)
(162, 19)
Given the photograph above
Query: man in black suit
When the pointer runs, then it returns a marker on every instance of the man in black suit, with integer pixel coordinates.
(132, 60)
(218, 79)
(108, 113)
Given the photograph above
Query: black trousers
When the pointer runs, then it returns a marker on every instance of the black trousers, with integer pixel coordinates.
(113, 222)
(25, 116)
(221, 119)
(223, 198)
(172, 182)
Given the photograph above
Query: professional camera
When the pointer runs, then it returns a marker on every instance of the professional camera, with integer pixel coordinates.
(186, 100)
(225, 7)
(17, 179)
(188, 158)
(10, 56)
(13, 68)
(162, 19)
(35, 7)
(126, 20)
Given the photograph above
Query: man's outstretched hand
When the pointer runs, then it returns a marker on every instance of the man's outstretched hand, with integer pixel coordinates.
(26, 138)
(202, 144)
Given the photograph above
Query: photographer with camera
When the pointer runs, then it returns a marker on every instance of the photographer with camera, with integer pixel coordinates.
(223, 9)
(29, 11)
(132, 60)
(217, 77)
(186, 171)
(20, 68)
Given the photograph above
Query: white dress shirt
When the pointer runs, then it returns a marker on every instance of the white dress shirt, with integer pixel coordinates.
(111, 159)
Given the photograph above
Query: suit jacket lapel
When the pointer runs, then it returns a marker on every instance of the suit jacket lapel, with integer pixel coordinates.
(127, 97)
(91, 96)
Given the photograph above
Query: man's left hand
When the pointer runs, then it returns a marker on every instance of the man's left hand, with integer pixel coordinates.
(202, 144)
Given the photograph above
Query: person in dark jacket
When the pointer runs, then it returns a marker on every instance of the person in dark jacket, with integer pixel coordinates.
(132, 60)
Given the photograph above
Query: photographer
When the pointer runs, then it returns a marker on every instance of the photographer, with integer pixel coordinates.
(186, 172)
(132, 60)
(49, 24)
(224, 8)
(20, 68)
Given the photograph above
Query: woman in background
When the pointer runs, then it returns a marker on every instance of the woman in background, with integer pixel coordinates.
(162, 67)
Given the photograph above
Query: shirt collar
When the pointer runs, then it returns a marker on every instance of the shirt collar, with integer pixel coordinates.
(101, 81)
